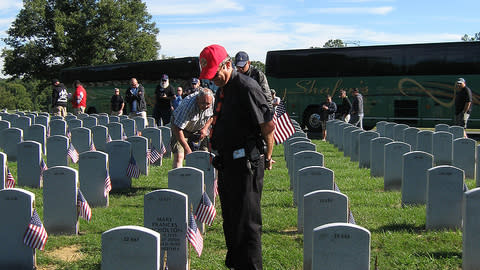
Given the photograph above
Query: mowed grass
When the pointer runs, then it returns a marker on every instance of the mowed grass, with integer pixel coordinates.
(398, 236)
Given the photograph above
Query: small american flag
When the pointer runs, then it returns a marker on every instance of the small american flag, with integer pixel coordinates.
(72, 153)
(35, 235)
(83, 209)
(92, 147)
(283, 124)
(124, 136)
(10, 180)
(109, 138)
(43, 167)
(163, 150)
(194, 236)
(154, 155)
(69, 134)
(132, 168)
(108, 185)
(48, 131)
(206, 210)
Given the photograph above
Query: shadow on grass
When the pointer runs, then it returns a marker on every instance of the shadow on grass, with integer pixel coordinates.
(401, 227)
(130, 192)
(439, 255)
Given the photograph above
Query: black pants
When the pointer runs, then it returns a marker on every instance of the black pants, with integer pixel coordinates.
(240, 188)
(162, 113)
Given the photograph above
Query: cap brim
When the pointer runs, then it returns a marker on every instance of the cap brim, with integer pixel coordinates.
(241, 63)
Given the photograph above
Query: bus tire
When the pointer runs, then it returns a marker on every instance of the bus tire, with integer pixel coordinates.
(312, 119)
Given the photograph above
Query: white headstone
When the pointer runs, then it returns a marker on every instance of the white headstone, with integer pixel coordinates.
(28, 164)
(311, 178)
(471, 230)
(60, 200)
(189, 181)
(393, 158)
(166, 212)
(202, 160)
(442, 148)
(11, 137)
(464, 153)
(16, 209)
(92, 168)
(377, 156)
(81, 139)
(301, 160)
(414, 178)
(425, 141)
(131, 247)
(364, 146)
(444, 198)
(339, 246)
(57, 147)
(139, 152)
(119, 153)
(321, 207)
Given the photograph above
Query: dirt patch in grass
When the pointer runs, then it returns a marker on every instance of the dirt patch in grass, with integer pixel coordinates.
(66, 254)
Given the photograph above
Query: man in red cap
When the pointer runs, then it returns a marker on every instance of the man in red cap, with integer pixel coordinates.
(242, 122)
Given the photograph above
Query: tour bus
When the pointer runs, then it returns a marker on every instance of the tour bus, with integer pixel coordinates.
(100, 81)
(412, 84)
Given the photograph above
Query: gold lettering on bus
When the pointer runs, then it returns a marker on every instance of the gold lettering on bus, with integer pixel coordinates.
(445, 91)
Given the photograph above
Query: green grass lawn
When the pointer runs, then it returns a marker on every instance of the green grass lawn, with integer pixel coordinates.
(399, 239)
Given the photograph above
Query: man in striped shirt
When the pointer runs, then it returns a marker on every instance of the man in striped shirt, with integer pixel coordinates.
(191, 122)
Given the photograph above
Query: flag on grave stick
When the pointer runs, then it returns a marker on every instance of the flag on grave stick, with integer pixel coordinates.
(83, 209)
(10, 180)
(206, 210)
(132, 168)
(153, 155)
(72, 153)
(109, 138)
(43, 167)
(108, 185)
(35, 235)
(92, 147)
(283, 124)
(194, 236)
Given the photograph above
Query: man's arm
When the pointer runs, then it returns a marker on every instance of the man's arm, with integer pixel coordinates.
(267, 129)
(204, 130)
(178, 133)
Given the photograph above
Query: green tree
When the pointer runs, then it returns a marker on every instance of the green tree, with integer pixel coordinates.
(48, 35)
(14, 95)
(476, 37)
(258, 65)
(334, 43)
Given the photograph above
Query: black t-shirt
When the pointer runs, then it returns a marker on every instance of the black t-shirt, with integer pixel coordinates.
(116, 101)
(463, 96)
(163, 103)
(244, 107)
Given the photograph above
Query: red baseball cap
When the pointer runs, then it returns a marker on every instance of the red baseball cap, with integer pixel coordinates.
(210, 59)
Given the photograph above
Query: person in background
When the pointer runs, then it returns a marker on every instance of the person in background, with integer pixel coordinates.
(191, 125)
(135, 97)
(164, 94)
(116, 103)
(328, 113)
(243, 65)
(194, 86)
(79, 100)
(346, 106)
(178, 98)
(357, 109)
(59, 98)
(463, 104)
(242, 120)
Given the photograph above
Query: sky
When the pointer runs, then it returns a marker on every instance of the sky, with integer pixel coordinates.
(187, 26)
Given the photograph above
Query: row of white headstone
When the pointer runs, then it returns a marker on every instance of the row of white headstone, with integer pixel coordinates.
(331, 240)
(165, 211)
(433, 174)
